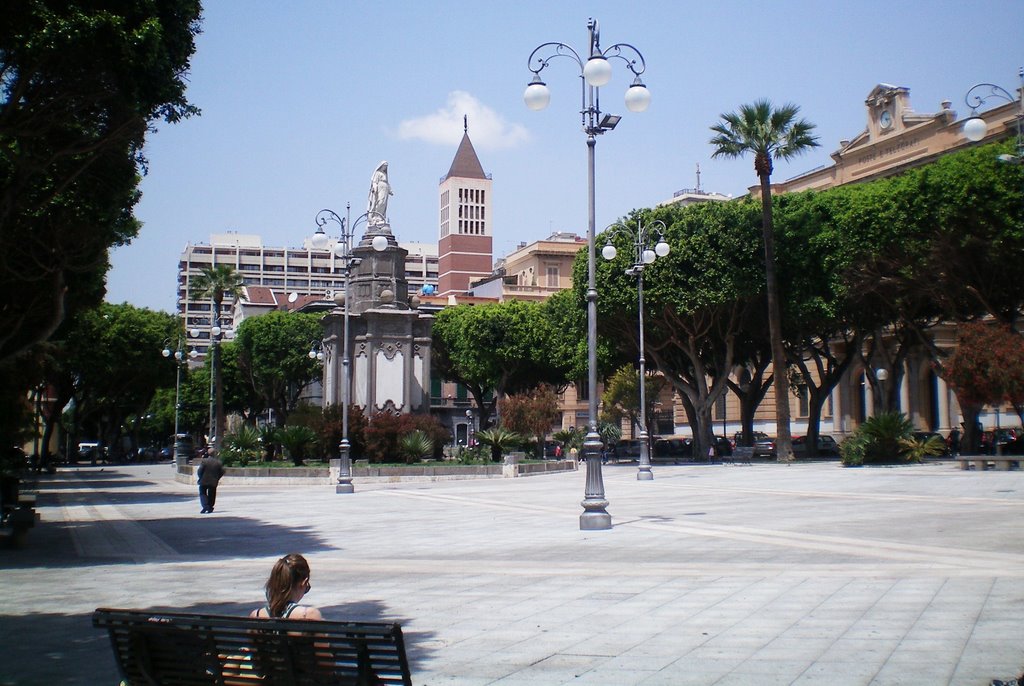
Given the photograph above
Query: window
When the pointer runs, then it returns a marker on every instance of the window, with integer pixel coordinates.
(804, 398)
(552, 273)
(720, 408)
(582, 391)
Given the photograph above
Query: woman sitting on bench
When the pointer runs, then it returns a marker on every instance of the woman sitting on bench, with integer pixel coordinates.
(287, 585)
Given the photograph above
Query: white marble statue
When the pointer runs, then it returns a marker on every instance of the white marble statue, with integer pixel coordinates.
(380, 191)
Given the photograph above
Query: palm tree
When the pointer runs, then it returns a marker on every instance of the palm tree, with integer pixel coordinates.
(216, 282)
(768, 133)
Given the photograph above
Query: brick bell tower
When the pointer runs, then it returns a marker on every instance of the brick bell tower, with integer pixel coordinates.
(464, 249)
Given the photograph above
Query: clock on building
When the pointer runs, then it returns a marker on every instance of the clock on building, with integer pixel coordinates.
(885, 119)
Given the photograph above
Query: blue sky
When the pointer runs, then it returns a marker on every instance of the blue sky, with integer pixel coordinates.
(301, 100)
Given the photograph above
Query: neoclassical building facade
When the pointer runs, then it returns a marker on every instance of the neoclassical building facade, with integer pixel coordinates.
(896, 138)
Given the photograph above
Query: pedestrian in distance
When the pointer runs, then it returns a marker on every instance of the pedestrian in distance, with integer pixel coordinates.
(209, 475)
(953, 442)
(287, 586)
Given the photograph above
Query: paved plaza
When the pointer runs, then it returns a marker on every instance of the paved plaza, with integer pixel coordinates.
(712, 574)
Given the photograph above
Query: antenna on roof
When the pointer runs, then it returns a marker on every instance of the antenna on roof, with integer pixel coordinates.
(698, 177)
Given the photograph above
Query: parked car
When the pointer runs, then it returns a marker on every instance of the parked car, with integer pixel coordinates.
(675, 448)
(827, 446)
(764, 445)
(625, 449)
(997, 440)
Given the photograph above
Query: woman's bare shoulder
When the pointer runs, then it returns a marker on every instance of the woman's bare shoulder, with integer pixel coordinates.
(311, 613)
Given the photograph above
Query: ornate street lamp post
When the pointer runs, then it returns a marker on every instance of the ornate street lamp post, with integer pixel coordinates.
(975, 128)
(347, 261)
(179, 361)
(594, 71)
(643, 255)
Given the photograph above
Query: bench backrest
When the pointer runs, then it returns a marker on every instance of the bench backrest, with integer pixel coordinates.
(185, 649)
(742, 452)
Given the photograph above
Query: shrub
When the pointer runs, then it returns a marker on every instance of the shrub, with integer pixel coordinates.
(884, 433)
(883, 439)
(499, 440)
(269, 439)
(416, 445)
(297, 440)
(331, 430)
(916, 449)
(242, 446)
(851, 450)
(385, 430)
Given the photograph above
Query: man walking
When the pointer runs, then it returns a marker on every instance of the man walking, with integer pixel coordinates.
(209, 473)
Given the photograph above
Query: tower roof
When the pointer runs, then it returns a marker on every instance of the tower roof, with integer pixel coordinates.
(466, 164)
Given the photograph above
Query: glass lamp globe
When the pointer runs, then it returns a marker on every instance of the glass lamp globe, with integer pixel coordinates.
(609, 252)
(975, 129)
(193, 353)
(194, 333)
(166, 352)
(638, 98)
(380, 243)
(319, 239)
(648, 256)
(662, 248)
(340, 250)
(537, 96)
(215, 330)
(597, 71)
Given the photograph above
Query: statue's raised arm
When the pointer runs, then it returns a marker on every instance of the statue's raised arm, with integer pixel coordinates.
(377, 203)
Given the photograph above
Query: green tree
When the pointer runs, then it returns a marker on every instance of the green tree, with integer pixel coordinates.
(697, 303)
(497, 349)
(273, 355)
(82, 83)
(768, 133)
(622, 397)
(217, 282)
(109, 361)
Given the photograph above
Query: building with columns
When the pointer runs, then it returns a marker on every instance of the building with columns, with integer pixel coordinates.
(895, 138)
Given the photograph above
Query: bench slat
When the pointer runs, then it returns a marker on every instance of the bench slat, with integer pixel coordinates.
(185, 649)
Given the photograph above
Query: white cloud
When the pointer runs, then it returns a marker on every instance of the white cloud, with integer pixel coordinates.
(487, 129)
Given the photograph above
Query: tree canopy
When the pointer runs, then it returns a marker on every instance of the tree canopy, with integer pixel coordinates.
(273, 357)
(499, 348)
(81, 83)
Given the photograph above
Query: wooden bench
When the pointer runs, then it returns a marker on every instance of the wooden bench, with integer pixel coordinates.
(1001, 463)
(184, 649)
(740, 454)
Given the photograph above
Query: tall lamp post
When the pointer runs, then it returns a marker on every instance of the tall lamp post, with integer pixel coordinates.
(594, 71)
(179, 361)
(975, 128)
(643, 255)
(347, 261)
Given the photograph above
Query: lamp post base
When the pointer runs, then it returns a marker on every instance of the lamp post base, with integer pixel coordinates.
(596, 521)
(644, 473)
(595, 516)
(344, 471)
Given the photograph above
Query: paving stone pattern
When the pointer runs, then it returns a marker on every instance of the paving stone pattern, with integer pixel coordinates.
(712, 574)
